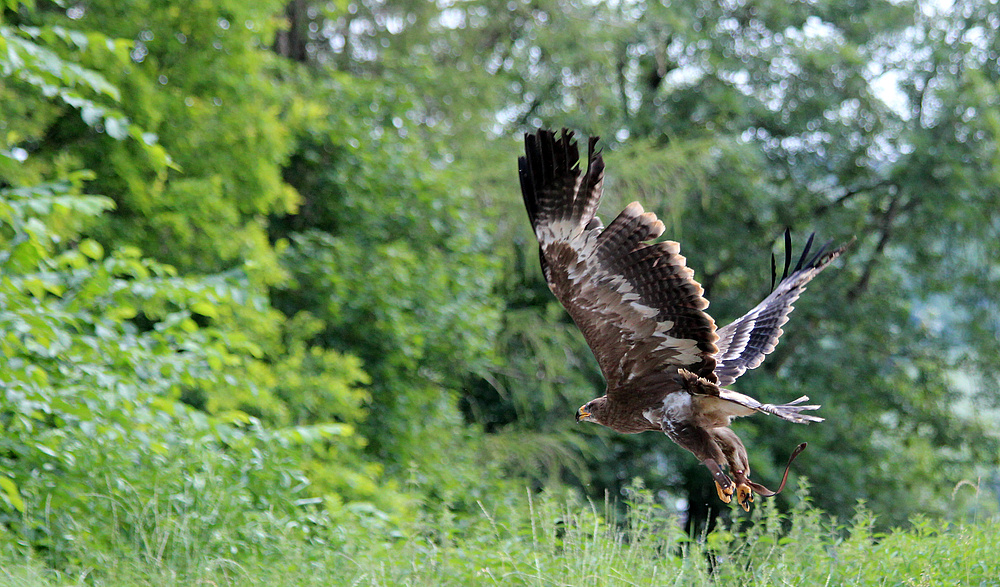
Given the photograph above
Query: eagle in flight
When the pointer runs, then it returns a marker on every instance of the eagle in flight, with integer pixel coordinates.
(642, 313)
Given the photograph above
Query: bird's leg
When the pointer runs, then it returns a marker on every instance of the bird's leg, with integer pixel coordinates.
(739, 464)
(745, 487)
(723, 484)
(702, 444)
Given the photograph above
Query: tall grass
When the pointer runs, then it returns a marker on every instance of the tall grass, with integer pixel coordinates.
(534, 540)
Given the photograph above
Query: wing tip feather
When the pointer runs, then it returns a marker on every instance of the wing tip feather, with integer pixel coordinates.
(552, 185)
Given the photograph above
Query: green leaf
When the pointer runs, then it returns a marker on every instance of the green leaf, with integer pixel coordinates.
(12, 493)
(116, 127)
(34, 285)
(205, 309)
(122, 313)
(92, 249)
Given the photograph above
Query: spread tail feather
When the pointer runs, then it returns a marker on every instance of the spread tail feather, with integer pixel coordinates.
(792, 411)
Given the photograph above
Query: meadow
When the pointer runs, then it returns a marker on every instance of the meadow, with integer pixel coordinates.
(541, 540)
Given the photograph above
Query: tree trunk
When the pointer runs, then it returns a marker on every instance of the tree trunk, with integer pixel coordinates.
(292, 42)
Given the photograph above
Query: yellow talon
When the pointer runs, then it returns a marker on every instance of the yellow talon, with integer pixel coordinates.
(744, 496)
(725, 494)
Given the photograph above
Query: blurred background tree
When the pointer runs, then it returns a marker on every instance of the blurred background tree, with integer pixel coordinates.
(732, 121)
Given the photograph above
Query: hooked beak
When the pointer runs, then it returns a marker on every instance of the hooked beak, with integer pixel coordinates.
(581, 413)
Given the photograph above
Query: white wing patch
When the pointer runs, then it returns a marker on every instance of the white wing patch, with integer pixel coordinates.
(677, 405)
(562, 230)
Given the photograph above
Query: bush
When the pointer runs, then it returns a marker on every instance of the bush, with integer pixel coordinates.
(103, 357)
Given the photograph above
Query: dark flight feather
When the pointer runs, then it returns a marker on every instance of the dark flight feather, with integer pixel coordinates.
(744, 343)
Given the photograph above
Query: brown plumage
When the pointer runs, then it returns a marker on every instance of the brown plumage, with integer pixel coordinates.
(643, 315)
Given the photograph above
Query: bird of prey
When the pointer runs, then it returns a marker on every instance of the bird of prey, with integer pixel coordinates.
(640, 309)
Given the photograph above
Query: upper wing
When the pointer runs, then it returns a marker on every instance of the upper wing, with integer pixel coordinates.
(744, 343)
(637, 304)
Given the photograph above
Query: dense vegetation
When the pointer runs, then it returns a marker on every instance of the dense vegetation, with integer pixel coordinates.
(552, 541)
(267, 292)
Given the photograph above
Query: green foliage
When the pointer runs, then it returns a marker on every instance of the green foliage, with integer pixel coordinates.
(389, 256)
(134, 396)
(255, 356)
(98, 350)
(47, 71)
(548, 539)
(197, 81)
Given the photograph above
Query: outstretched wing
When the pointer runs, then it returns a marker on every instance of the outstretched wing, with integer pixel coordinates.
(744, 343)
(636, 302)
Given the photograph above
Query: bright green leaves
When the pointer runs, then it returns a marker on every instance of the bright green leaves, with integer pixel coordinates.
(43, 68)
(106, 355)
(60, 65)
(39, 217)
(201, 82)
(92, 249)
(120, 370)
(11, 495)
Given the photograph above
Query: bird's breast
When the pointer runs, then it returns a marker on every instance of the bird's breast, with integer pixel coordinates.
(674, 408)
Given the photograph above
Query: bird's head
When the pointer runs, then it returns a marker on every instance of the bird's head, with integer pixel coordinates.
(592, 411)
